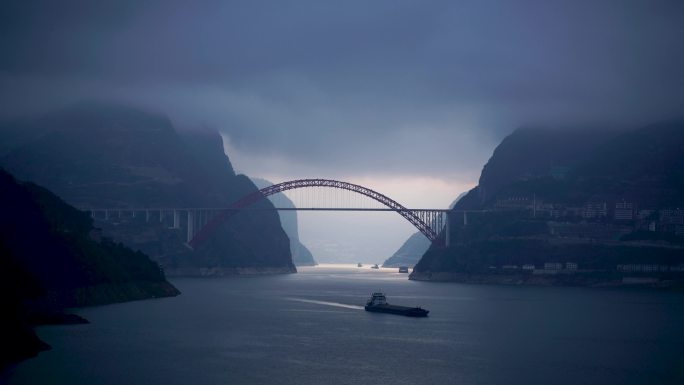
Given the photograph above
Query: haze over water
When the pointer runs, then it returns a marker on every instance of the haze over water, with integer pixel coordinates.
(308, 328)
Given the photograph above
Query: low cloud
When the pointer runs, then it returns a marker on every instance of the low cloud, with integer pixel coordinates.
(386, 88)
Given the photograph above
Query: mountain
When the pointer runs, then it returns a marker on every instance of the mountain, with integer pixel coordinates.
(532, 152)
(644, 166)
(301, 256)
(414, 247)
(51, 257)
(106, 155)
(410, 252)
(595, 212)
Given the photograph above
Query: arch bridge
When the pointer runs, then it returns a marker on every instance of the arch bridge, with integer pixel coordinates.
(202, 222)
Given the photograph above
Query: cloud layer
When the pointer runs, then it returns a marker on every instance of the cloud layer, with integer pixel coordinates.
(353, 88)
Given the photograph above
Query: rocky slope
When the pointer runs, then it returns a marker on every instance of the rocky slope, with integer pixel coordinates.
(103, 155)
(415, 246)
(410, 252)
(51, 257)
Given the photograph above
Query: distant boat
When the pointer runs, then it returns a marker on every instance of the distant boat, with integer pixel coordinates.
(375, 266)
(359, 264)
(378, 303)
(403, 269)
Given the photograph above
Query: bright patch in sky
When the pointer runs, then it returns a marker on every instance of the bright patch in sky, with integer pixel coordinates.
(350, 237)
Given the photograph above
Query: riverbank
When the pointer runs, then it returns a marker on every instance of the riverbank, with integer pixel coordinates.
(593, 279)
(19, 340)
(195, 272)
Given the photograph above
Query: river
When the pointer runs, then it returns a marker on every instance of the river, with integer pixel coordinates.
(309, 328)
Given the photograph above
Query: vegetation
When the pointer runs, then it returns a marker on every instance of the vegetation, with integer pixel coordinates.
(50, 258)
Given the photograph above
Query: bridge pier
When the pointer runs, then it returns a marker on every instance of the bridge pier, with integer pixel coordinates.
(203, 217)
(447, 229)
(176, 219)
(191, 225)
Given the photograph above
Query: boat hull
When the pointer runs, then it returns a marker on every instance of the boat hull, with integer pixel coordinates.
(399, 310)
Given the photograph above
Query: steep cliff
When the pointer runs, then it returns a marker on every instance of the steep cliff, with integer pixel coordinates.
(51, 258)
(301, 256)
(102, 155)
(528, 153)
(644, 166)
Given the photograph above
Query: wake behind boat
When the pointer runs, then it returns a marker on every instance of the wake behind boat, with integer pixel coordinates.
(378, 303)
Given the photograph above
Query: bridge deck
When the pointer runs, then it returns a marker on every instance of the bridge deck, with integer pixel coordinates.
(276, 208)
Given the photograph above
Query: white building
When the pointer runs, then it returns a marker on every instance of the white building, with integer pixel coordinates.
(624, 211)
(553, 266)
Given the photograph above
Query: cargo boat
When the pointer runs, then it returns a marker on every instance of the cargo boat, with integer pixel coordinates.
(378, 303)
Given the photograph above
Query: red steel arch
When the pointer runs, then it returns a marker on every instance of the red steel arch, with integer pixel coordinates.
(247, 200)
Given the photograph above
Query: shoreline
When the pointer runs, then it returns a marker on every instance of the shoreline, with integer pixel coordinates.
(595, 280)
(195, 272)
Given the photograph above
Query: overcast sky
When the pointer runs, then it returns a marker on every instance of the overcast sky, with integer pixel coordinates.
(376, 91)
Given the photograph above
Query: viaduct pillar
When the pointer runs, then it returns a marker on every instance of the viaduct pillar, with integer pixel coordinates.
(191, 225)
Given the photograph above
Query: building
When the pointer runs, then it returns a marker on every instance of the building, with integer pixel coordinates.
(587, 230)
(624, 211)
(595, 210)
(679, 231)
(642, 268)
(645, 213)
(672, 217)
(515, 203)
(671, 221)
(553, 266)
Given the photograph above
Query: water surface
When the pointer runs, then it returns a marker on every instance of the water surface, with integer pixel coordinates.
(309, 328)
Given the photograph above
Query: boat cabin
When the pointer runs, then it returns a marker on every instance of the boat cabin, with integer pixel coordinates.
(377, 299)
